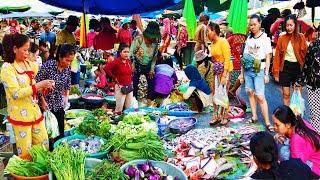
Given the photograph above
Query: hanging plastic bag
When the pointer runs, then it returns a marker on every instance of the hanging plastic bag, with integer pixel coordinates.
(220, 96)
(51, 124)
(297, 103)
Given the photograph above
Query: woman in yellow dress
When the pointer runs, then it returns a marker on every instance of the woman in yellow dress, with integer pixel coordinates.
(221, 54)
(17, 76)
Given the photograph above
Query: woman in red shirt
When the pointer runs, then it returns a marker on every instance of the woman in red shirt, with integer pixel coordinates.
(120, 70)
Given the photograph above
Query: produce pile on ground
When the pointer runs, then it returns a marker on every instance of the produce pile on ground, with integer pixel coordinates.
(139, 141)
(33, 164)
(210, 153)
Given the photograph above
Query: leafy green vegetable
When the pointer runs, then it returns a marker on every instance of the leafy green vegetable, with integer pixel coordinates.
(136, 118)
(136, 142)
(98, 112)
(75, 90)
(67, 163)
(105, 170)
(92, 126)
(37, 167)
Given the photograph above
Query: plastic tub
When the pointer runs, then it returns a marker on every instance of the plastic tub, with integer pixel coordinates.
(99, 101)
(43, 177)
(167, 168)
(98, 155)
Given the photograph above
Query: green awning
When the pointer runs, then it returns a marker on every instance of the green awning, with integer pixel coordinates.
(8, 9)
(189, 14)
(237, 16)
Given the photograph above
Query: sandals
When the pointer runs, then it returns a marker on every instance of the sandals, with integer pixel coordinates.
(251, 120)
(225, 121)
(270, 128)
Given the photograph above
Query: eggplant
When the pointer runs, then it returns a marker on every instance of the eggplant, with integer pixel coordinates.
(131, 171)
(144, 167)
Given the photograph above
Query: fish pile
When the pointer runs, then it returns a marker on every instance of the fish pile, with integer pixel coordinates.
(204, 153)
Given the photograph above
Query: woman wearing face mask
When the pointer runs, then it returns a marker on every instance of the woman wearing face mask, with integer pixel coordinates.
(59, 70)
(17, 76)
(120, 70)
(289, 58)
(265, 155)
(258, 47)
(304, 140)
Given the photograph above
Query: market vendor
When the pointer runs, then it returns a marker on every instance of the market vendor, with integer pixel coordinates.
(144, 49)
(121, 72)
(164, 80)
(265, 155)
(198, 88)
(59, 70)
(17, 76)
(304, 140)
(205, 67)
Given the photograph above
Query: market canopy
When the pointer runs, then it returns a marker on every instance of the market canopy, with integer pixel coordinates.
(26, 14)
(112, 7)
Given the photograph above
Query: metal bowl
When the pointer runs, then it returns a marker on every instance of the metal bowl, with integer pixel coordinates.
(182, 125)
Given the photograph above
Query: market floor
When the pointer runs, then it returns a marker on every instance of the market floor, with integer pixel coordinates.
(274, 98)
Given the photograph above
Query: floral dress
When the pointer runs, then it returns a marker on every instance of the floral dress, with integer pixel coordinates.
(23, 110)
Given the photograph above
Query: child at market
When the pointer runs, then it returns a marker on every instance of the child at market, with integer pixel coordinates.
(100, 81)
(304, 140)
(265, 155)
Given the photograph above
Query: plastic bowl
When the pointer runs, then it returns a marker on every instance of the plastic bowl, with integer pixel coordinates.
(99, 101)
(111, 100)
(145, 110)
(182, 130)
(75, 111)
(43, 177)
(167, 168)
(98, 155)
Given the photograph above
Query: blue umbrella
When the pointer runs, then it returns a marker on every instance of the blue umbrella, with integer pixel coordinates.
(112, 7)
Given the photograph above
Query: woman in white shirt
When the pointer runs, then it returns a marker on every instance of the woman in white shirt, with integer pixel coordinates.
(258, 47)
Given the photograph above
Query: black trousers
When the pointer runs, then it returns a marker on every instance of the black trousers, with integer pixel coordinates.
(60, 118)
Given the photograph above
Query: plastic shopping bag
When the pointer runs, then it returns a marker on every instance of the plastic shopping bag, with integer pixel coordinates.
(220, 96)
(51, 124)
(297, 103)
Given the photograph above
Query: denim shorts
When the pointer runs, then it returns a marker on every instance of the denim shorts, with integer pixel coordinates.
(254, 81)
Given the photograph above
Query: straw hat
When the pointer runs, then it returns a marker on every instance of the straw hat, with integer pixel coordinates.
(182, 21)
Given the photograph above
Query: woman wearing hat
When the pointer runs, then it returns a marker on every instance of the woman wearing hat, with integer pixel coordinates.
(182, 39)
(124, 34)
(144, 49)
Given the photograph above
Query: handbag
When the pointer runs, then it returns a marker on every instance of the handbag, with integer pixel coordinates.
(247, 61)
(127, 89)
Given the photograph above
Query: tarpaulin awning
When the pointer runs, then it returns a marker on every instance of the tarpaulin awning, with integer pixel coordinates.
(112, 7)
(26, 14)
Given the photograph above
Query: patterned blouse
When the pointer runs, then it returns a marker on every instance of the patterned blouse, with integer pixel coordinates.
(22, 106)
(182, 39)
(62, 79)
(310, 74)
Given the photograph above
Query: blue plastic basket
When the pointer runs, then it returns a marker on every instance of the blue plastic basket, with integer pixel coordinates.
(146, 110)
(98, 155)
(161, 128)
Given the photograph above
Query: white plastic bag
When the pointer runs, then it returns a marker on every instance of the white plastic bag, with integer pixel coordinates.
(220, 95)
(51, 124)
(297, 103)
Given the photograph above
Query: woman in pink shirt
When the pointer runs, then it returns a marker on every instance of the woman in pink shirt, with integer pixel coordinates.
(304, 141)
